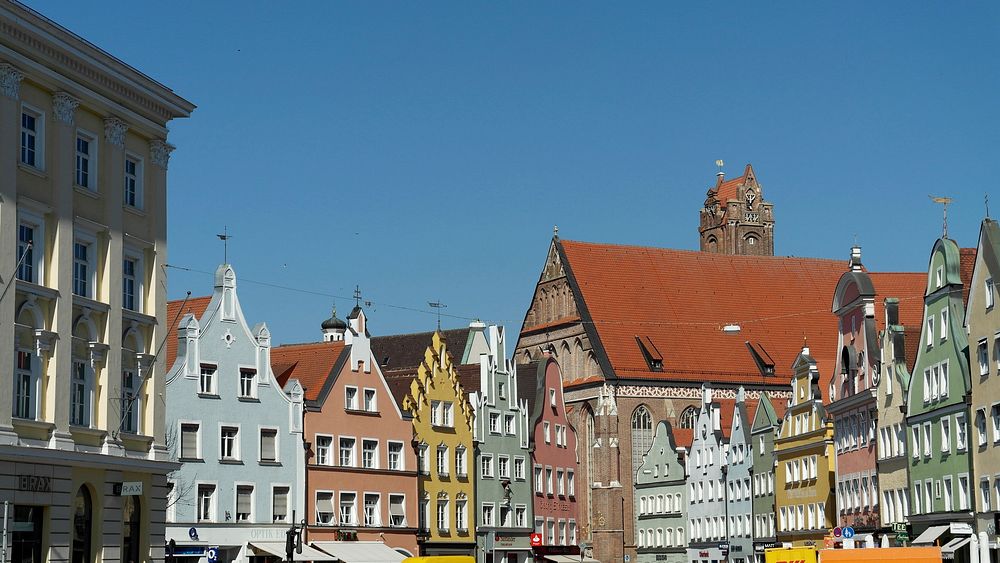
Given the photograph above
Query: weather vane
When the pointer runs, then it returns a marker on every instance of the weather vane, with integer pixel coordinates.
(944, 201)
(225, 236)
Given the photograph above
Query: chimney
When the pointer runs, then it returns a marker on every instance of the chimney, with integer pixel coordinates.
(855, 258)
(891, 311)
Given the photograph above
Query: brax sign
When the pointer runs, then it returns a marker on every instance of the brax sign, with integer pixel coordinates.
(34, 483)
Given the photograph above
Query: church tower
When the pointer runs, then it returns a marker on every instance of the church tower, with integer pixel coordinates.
(736, 219)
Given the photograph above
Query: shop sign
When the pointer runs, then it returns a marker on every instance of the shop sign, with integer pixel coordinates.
(508, 541)
(34, 483)
(759, 547)
(662, 557)
(127, 489)
(899, 527)
(962, 528)
(536, 539)
(702, 554)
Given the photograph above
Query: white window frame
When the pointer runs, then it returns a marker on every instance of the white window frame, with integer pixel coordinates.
(461, 462)
(375, 454)
(288, 498)
(260, 444)
(400, 458)
(944, 324)
(989, 293)
(138, 279)
(331, 452)
(137, 178)
(334, 506)
(236, 453)
(197, 439)
(89, 241)
(393, 496)
(251, 391)
(353, 520)
(945, 434)
(350, 403)
(251, 516)
(212, 514)
(373, 407)
(929, 341)
(354, 451)
(961, 432)
(36, 222)
(486, 466)
(376, 515)
(212, 379)
(519, 465)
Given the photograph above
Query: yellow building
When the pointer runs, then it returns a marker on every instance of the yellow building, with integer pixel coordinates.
(442, 432)
(804, 474)
(83, 199)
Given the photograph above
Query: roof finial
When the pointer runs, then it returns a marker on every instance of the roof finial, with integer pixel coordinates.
(944, 201)
(987, 199)
(555, 231)
(225, 236)
(720, 173)
(357, 295)
(437, 305)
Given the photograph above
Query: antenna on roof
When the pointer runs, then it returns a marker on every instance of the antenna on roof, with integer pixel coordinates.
(720, 164)
(987, 200)
(944, 201)
(437, 305)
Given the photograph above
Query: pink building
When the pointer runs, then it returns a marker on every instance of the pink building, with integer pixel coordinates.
(853, 389)
(553, 458)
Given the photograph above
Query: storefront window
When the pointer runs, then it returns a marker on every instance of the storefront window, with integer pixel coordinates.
(82, 512)
(26, 535)
(131, 527)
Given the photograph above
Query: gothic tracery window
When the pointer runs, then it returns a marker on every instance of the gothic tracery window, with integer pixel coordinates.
(688, 417)
(642, 436)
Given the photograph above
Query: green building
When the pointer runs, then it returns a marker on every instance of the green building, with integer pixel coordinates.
(940, 465)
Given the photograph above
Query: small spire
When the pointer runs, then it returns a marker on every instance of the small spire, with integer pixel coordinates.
(986, 200)
(555, 231)
(721, 175)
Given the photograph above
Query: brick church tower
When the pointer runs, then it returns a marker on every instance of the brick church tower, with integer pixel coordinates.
(736, 219)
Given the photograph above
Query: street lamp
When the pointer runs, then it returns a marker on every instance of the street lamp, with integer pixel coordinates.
(293, 539)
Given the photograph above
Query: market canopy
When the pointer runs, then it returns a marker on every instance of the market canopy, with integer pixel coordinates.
(361, 551)
(278, 549)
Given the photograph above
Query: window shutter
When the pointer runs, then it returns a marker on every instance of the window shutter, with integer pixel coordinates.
(396, 506)
(280, 503)
(189, 441)
(324, 502)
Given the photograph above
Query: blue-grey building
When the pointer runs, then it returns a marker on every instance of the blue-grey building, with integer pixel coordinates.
(661, 503)
(707, 485)
(504, 521)
(236, 432)
(739, 493)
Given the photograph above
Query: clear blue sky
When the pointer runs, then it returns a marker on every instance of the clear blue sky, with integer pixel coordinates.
(425, 150)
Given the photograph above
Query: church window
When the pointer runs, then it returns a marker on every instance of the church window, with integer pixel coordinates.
(688, 417)
(642, 436)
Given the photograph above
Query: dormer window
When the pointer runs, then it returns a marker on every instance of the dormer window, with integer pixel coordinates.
(653, 357)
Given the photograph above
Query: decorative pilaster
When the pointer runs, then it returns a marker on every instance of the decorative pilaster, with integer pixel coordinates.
(10, 81)
(114, 131)
(64, 107)
(159, 152)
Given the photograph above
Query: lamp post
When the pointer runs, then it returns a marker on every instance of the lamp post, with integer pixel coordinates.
(293, 539)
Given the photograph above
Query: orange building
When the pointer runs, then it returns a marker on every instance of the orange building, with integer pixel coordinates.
(361, 478)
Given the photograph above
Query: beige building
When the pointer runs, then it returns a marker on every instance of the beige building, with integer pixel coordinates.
(83, 158)
(982, 321)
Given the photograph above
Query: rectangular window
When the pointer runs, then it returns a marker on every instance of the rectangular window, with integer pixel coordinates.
(508, 424)
(519, 468)
(423, 462)
(494, 423)
(963, 492)
(995, 415)
(571, 485)
(989, 293)
(521, 516)
(503, 466)
(549, 490)
(540, 483)
(981, 427)
(324, 507)
(86, 148)
(487, 466)
(229, 444)
(462, 515)
(442, 461)
(448, 414)
(397, 511)
(370, 404)
(31, 130)
(348, 516)
(944, 379)
(424, 514)
(372, 516)
(435, 413)
(944, 324)
(26, 252)
(129, 283)
(917, 496)
(369, 454)
(460, 469)
(189, 441)
(961, 432)
(927, 385)
(131, 406)
(248, 383)
(560, 483)
(442, 515)
(81, 269)
(945, 435)
(268, 444)
(323, 454)
(207, 381)
(395, 456)
(279, 504)
(351, 398)
(930, 331)
(206, 503)
(79, 414)
(545, 432)
(347, 452)
(927, 439)
(133, 182)
(983, 354)
(487, 514)
(244, 503)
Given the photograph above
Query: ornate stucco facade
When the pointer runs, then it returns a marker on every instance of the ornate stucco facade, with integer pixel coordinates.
(706, 482)
(739, 490)
(662, 501)
(83, 215)
(766, 423)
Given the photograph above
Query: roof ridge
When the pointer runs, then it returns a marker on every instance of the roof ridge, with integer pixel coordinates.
(707, 254)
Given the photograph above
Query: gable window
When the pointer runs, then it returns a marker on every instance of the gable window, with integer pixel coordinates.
(279, 504)
(351, 398)
(206, 384)
(248, 383)
(86, 153)
(989, 293)
(229, 444)
(983, 354)
(370, 404)
(323, 454)
(447, 414)
(435, 413)
(939, 276)
(944, 324)
(32, 140)
(502, 390)
(508, 424)
(268, 444)
(494, 423)
(930, 331)
(244, 503)
(189, 441)
(133, 181)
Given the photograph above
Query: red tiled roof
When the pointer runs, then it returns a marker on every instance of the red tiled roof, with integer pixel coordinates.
(683, 437)
(681, 300)
(728, 189)
(310, 363)
(175, 312)
(908, 287)
(967, 263)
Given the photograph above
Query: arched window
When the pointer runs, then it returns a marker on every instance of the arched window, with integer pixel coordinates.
(688, 417)
(131, 529)
(668, 537)
(82, 526)
(642, 538)
(588, 445)
(642, 436)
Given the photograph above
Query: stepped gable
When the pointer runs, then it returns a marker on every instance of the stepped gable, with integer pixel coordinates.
(312, 363)
(680, 301)
(175, 312)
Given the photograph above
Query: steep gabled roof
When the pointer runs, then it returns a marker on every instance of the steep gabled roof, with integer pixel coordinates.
(175, 312)
(406, 351)
(531, 386)
(728, 189)
(908, 287)
(967, 263)
(314, 364)
(681, 300)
